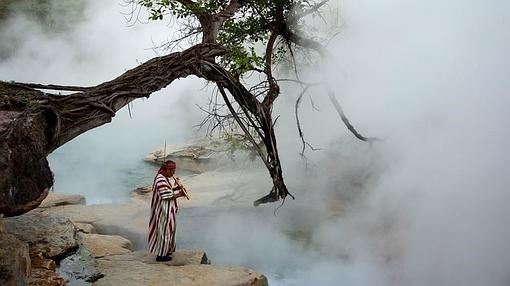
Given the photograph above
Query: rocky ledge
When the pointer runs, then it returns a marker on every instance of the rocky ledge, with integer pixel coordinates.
(61, 244)
(188, 268)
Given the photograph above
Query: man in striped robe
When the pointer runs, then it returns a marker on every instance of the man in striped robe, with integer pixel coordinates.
(165, 191)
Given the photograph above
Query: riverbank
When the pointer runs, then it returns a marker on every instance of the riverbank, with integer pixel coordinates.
(66, 241)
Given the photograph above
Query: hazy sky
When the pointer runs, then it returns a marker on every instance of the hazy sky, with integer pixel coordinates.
(428, 205)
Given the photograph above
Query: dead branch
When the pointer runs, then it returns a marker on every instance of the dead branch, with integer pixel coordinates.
(298, 123)
(345, 120)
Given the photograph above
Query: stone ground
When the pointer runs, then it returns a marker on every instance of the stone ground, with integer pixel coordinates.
(102, 238)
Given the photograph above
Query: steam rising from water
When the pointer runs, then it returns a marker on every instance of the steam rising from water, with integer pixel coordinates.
(426, 206)
(102, 46)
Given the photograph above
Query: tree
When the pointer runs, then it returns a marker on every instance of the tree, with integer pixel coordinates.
(33, 123)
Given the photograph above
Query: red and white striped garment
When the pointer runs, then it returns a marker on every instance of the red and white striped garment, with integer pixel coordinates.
(162, 220)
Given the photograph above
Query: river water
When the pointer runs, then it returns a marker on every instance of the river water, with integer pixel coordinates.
(230, 229)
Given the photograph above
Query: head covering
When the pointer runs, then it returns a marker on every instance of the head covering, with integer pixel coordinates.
(168, 165)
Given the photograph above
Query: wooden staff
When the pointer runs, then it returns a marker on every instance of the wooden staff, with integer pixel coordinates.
(183, 189)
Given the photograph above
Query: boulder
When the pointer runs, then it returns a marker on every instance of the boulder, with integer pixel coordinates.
(53, 200)
(138, 269)
(194, 156)
(79, 268)
(53, 236)
(100, 245)
(84, 227)
(15, 261)
(126, 220)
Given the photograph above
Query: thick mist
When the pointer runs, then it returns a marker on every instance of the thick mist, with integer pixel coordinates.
(97, 46)
(426, 205)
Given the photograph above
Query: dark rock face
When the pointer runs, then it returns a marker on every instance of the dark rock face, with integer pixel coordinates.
(25, 175)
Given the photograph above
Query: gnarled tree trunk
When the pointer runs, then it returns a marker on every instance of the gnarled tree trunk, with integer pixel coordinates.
(33, 123)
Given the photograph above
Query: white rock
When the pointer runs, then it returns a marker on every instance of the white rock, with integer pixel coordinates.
(100, 245)
(53, 200)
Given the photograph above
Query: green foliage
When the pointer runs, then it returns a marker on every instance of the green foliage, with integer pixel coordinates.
(245, 34)
(159, 8)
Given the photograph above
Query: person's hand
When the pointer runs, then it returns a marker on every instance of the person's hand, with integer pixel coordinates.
(179, 194)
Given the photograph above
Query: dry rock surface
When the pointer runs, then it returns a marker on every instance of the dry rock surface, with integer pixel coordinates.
(194, 156)
(180, 257)
(121, 219)
(52, 236)
(101, 245)
(84, 227)
(102, 256)
(53, 200)
(141, 269)
(15, 261)
(47, 238)
(201, 154)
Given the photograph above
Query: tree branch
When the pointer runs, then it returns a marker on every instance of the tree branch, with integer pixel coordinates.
(273, 86)
(52, 86)
(325, 54)
(312, 10)
(229, 10)
(187, 3)
(345, 120)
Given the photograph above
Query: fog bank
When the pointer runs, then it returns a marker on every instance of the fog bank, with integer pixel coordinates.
(426, 205)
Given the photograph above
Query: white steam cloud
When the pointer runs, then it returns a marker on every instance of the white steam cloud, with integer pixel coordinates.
(427, 205)
(429, 78)
(98, 48)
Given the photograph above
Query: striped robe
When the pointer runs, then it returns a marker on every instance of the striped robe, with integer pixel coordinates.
(162, 219)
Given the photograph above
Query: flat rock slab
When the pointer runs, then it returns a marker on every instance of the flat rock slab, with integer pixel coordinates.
(130, 216)
(100, 245)
(180, 258)
(53, 200)
(135, 272)
(128, 220)
(53, 236)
